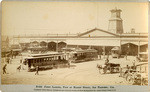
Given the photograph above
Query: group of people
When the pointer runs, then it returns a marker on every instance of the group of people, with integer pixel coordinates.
(128, 69)
(8, 60)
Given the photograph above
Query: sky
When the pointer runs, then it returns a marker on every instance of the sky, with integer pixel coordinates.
(69, 17)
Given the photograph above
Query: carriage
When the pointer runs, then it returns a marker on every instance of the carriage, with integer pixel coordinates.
(116, 52)
(113, 68)
(138, 76)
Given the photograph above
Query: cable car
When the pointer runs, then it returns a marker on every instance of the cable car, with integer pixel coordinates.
(45, 61)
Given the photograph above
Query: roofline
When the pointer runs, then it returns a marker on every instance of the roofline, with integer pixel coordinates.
(98, 30)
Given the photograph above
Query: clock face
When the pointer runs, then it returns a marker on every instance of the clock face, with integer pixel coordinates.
(114, 15)
(118, 14)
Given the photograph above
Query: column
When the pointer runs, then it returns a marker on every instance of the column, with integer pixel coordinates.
(120, 52)
(138, 48)
(104, 51)
(57, 46)
(90, 47)
(47, 44)
(77, 46)
(66, 45)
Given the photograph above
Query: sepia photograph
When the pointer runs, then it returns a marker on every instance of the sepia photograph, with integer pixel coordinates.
(74, 43)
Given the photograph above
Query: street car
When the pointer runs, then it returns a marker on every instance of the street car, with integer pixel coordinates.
(45, 61)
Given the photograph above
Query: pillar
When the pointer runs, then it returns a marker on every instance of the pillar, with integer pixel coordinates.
(138, 48)
(120, 48)
(57, 46)
(104, 51)
(77, 46)
(66, 45)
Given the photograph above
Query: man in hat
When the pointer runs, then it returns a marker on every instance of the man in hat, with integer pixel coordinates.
(4, 69)
(106, 61)
(37, 70)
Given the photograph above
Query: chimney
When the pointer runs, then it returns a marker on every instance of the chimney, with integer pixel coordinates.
(132, 30)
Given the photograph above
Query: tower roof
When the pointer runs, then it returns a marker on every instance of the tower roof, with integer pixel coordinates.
(116, 10)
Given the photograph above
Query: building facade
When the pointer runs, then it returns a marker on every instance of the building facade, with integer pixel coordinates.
(130, 43)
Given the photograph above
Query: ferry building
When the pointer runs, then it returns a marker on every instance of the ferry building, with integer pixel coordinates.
(102, 40)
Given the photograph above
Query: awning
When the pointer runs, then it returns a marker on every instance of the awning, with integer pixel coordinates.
(92, 42)
(115, 48)
(136, 43)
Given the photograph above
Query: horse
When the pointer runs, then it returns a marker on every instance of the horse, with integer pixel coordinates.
(99, 67)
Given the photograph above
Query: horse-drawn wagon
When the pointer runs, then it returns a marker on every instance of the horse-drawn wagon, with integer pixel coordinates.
(111, 67)
(137, 75)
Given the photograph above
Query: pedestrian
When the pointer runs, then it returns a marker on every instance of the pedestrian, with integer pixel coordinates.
(69, 63)
(10, 60)
(127, 70)
(106, 61)
(100, 56)
(7, 60)
(4, 69)
(19, 68)
(134, 66)
(120, 72)
(37, 70)
(107, 56)
(126, 57)
(20, 60)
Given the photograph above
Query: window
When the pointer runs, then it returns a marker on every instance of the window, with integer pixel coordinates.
(33, 61)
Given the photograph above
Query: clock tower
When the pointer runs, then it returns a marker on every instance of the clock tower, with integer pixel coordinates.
(115, 22)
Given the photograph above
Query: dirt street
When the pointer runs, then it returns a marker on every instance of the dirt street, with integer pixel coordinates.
(85, 73)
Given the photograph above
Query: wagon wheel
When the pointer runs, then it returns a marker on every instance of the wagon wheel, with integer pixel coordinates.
(104, 70)
(144, 82)
(130, 79)
(127, 76)
(124, 75)
(118, 69)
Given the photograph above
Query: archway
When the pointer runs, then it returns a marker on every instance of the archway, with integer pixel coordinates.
(129, 49)
(52, 46)
(144, 48)
(35, 44)
(61, 45)
(43, 44)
